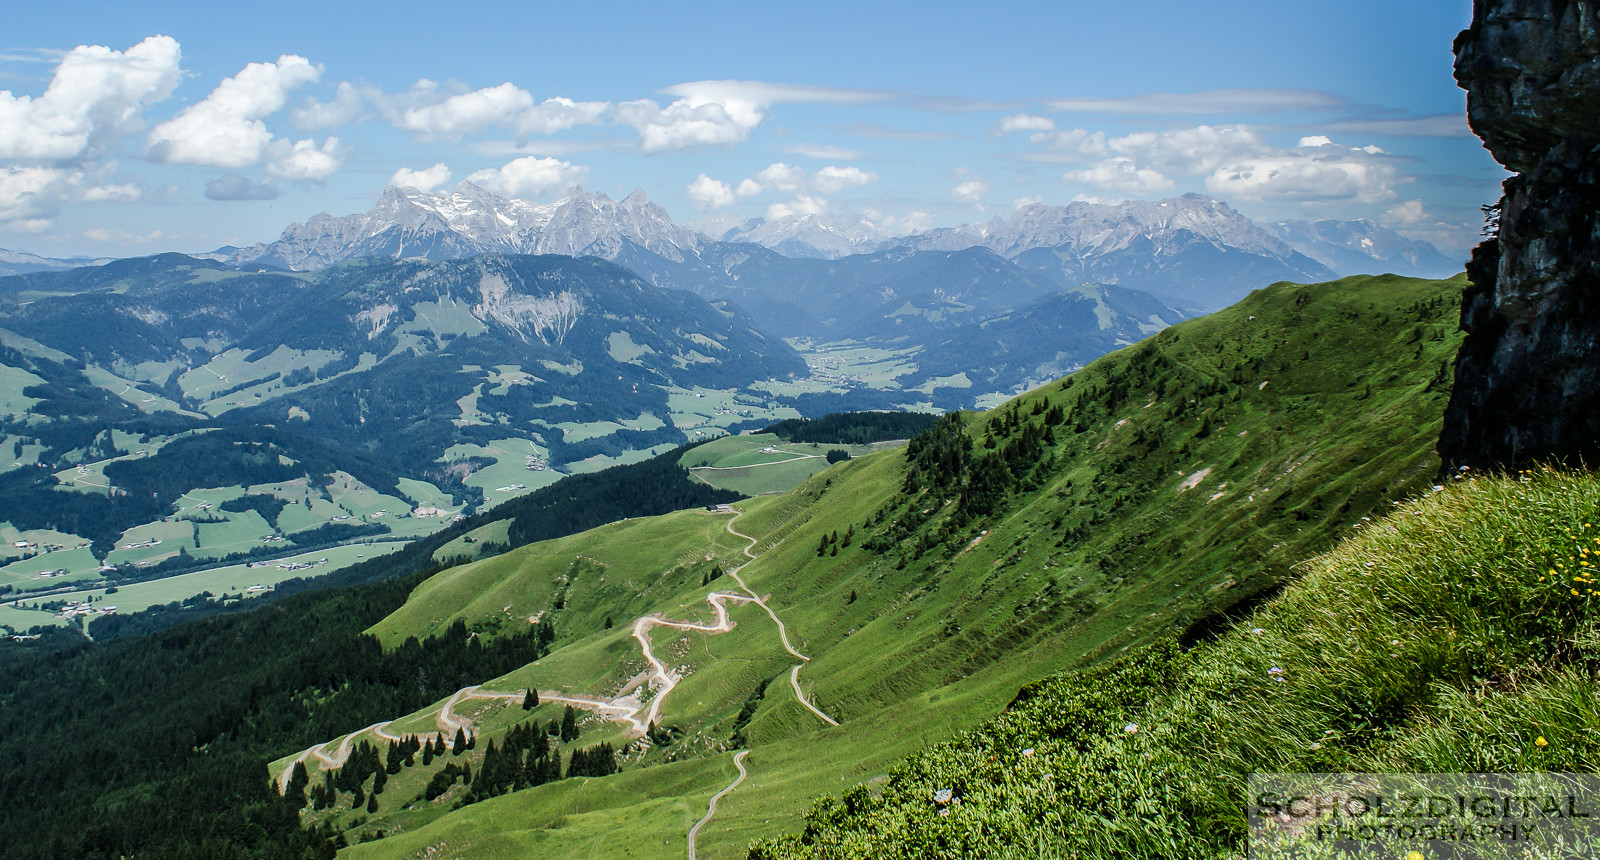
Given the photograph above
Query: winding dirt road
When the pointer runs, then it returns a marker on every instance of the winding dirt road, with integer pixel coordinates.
(627, 708)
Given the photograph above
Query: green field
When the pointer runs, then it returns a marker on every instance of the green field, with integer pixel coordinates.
(757, 463)
(234, 579)
(499, 480)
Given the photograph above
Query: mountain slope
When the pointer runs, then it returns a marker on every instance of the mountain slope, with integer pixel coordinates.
(1394, 654)
(1166, 484)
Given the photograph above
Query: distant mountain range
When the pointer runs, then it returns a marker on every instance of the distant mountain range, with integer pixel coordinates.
(19, 263)
(1192, 251)
(1363, 246)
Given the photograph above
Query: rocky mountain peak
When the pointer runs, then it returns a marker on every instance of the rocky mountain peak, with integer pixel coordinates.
(1527, 383)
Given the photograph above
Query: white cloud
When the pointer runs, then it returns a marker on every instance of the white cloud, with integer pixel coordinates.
(505, 105)
(1314, 140)
(971, 191)
(1407, 214)
(800, 206)
(1023, 122)
(914, 221)
(469, 112)
(1121, 175)
(1023, 202)
(708, 193)
(690, 122)
(719, 113)
(558, 114)
(426, 179)
(1295, 178)
(349, 105)
(30, 196)
(304, 161)
(225, 129)
(530, 176)
(95, 95)
(832, 179)
(773, 177)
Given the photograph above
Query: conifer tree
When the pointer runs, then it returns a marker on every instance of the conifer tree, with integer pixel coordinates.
(569, 724)
(530, 700)
(459, 746)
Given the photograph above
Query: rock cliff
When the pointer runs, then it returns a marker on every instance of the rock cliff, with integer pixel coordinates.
(1528, 375)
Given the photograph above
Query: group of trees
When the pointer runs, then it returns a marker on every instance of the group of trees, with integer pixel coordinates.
(853, 428)
(131, 717)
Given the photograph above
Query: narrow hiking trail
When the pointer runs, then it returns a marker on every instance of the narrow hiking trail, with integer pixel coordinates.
(738, 762)
(627, 707)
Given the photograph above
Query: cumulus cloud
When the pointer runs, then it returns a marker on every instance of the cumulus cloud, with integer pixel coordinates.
(1407, 214)
(718, 113)
(530, 176)
(30, 196)
(832, 179)
(800, 206)
(1297, 178)
(690, 122)
(971, 191)
(469, 112)
(426, 179)
(232, 186)
(95, 95)
(1123, 176)
(783, 178)
(225, 129)
(1234, 161)
(349, 105)
(708, 193)
(774, 177)
(304, 161)
(1023, 122)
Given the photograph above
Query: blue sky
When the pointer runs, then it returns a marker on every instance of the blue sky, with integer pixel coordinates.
(198, 125)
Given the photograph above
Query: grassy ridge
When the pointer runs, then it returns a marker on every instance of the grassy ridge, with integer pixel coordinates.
(1173, 482)
(1456, 635)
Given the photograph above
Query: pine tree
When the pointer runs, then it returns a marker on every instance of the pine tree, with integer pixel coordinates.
(460, 744)
(569, 724)
(296, 790)
(372, 804)
(530, 700)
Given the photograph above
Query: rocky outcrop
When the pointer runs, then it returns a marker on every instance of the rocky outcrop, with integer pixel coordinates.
(1528, 375)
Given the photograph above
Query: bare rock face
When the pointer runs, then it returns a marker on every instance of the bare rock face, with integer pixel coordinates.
(1528, 376)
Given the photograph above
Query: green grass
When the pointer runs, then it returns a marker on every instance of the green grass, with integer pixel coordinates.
(470, 545)
(236, 578)
(1189, 473)
(757, 463)
(1448, 637)
(510, 457)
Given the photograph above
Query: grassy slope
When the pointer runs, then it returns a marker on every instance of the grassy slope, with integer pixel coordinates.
(1310, 405)
(1450, 637)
